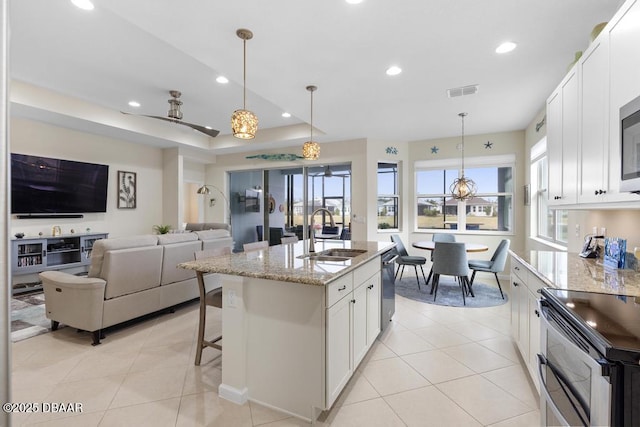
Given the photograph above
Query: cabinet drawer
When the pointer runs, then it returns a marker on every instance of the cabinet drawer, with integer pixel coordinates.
(364, 272)
(518, 269)
(339, 288)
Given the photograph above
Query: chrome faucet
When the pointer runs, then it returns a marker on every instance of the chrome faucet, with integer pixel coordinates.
(312, 231)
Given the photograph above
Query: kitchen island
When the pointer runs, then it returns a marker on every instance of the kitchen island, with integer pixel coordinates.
(295, 327)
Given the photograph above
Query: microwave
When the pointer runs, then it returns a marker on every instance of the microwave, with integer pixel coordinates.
(630, 146)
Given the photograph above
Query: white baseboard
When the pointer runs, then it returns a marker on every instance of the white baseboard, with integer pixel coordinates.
(232, 394)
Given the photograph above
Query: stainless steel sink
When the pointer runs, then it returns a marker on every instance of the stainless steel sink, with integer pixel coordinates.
(343, 252)
(337, 254)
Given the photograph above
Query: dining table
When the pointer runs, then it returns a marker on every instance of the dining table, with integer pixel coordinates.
(431, 245)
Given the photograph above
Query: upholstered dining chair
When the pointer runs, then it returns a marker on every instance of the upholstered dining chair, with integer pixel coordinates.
(289, 239)
(275, 234)
(495, 265)
(255, 246)
(327, 229)
(405, 259)
(212, 298)
(439, 237)
(450, 259)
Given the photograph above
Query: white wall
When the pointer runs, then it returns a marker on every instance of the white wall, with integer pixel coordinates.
(40, 139)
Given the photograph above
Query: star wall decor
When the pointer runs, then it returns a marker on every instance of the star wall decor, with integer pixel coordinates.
(434, 150)
(391, 150)
(488, 145)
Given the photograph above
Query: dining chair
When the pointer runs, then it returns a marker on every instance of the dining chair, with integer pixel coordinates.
(439, 237)
(255, 246)
(405, 259)
(495, 265)
(259, 232)
(289, 239)
(327, 229)
(450, 259)
(212, 298)
(275, 234)
(345, 234)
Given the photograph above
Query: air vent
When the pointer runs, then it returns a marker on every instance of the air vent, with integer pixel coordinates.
(462, 91)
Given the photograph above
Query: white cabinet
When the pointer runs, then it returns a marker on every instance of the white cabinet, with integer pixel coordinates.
(353, 324)
(624, 84)
(562, 141)
(338, 347)
(594, 122)
(525, 320)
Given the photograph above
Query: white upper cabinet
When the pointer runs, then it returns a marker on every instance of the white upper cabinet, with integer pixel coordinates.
(583, 118)
(624, 83)
(594, 123)
(562, 141)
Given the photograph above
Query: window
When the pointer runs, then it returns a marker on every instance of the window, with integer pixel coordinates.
(547, 224)
(388, 198)
(490, 210)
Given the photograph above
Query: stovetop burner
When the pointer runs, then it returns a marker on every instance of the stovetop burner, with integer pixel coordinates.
(612, 318)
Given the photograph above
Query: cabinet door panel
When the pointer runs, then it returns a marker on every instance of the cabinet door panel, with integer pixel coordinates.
(373, 309)
(570, 108)
(534, 337)
(594, 156)
(554, 146)
(514, 293)
(338, 369)
(359, 324)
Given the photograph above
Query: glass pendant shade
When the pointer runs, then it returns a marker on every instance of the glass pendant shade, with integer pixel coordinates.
(311, 150)
(463, 188)
(244, 124)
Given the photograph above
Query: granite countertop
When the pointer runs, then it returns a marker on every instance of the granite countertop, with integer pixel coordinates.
(281, 262)
(565, 270)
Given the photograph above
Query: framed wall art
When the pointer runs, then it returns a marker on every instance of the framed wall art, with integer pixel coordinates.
(127, 193)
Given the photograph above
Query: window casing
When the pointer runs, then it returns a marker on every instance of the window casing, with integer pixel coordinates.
(388, 196)
(547, 224)
(490, 210)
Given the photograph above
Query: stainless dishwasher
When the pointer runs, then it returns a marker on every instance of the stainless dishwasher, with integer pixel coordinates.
(388, 305)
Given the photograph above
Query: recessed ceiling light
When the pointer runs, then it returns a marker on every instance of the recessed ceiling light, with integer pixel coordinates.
(506, 47)
(135, 104)
(222, 79)
(83, 4)
(286, 115)
(394, 70)
(354, 1)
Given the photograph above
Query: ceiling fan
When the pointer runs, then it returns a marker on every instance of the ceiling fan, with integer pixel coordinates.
(175, 115)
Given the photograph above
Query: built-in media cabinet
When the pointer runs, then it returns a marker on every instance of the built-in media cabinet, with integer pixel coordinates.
(33, 255)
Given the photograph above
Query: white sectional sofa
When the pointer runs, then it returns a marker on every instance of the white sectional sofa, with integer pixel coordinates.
(128, 278)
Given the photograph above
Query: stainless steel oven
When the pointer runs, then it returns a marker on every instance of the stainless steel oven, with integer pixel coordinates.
(589, 369)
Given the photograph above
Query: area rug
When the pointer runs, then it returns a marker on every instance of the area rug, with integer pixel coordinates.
(28, 317)
(449, 293)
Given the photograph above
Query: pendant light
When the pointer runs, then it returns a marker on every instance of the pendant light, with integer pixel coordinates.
(311, 149)
(244, 123)
(463, 188)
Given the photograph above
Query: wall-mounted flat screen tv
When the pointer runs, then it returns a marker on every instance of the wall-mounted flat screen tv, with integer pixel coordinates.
(44, 185)
(252, 201)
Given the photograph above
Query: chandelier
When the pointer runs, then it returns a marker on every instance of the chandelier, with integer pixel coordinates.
(311, 149)
(463, 188)
(244, 123)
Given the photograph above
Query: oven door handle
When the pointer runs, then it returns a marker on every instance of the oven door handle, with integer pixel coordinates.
(562, 380)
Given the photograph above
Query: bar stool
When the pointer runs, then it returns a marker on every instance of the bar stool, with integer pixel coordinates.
(213, 298)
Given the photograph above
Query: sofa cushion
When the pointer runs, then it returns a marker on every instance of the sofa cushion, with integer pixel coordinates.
(175, 254)
(101, 246)
(212, 234)
(168, 239)
(131, 270)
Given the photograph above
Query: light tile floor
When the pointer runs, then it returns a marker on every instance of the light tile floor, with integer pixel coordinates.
(434, 366)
